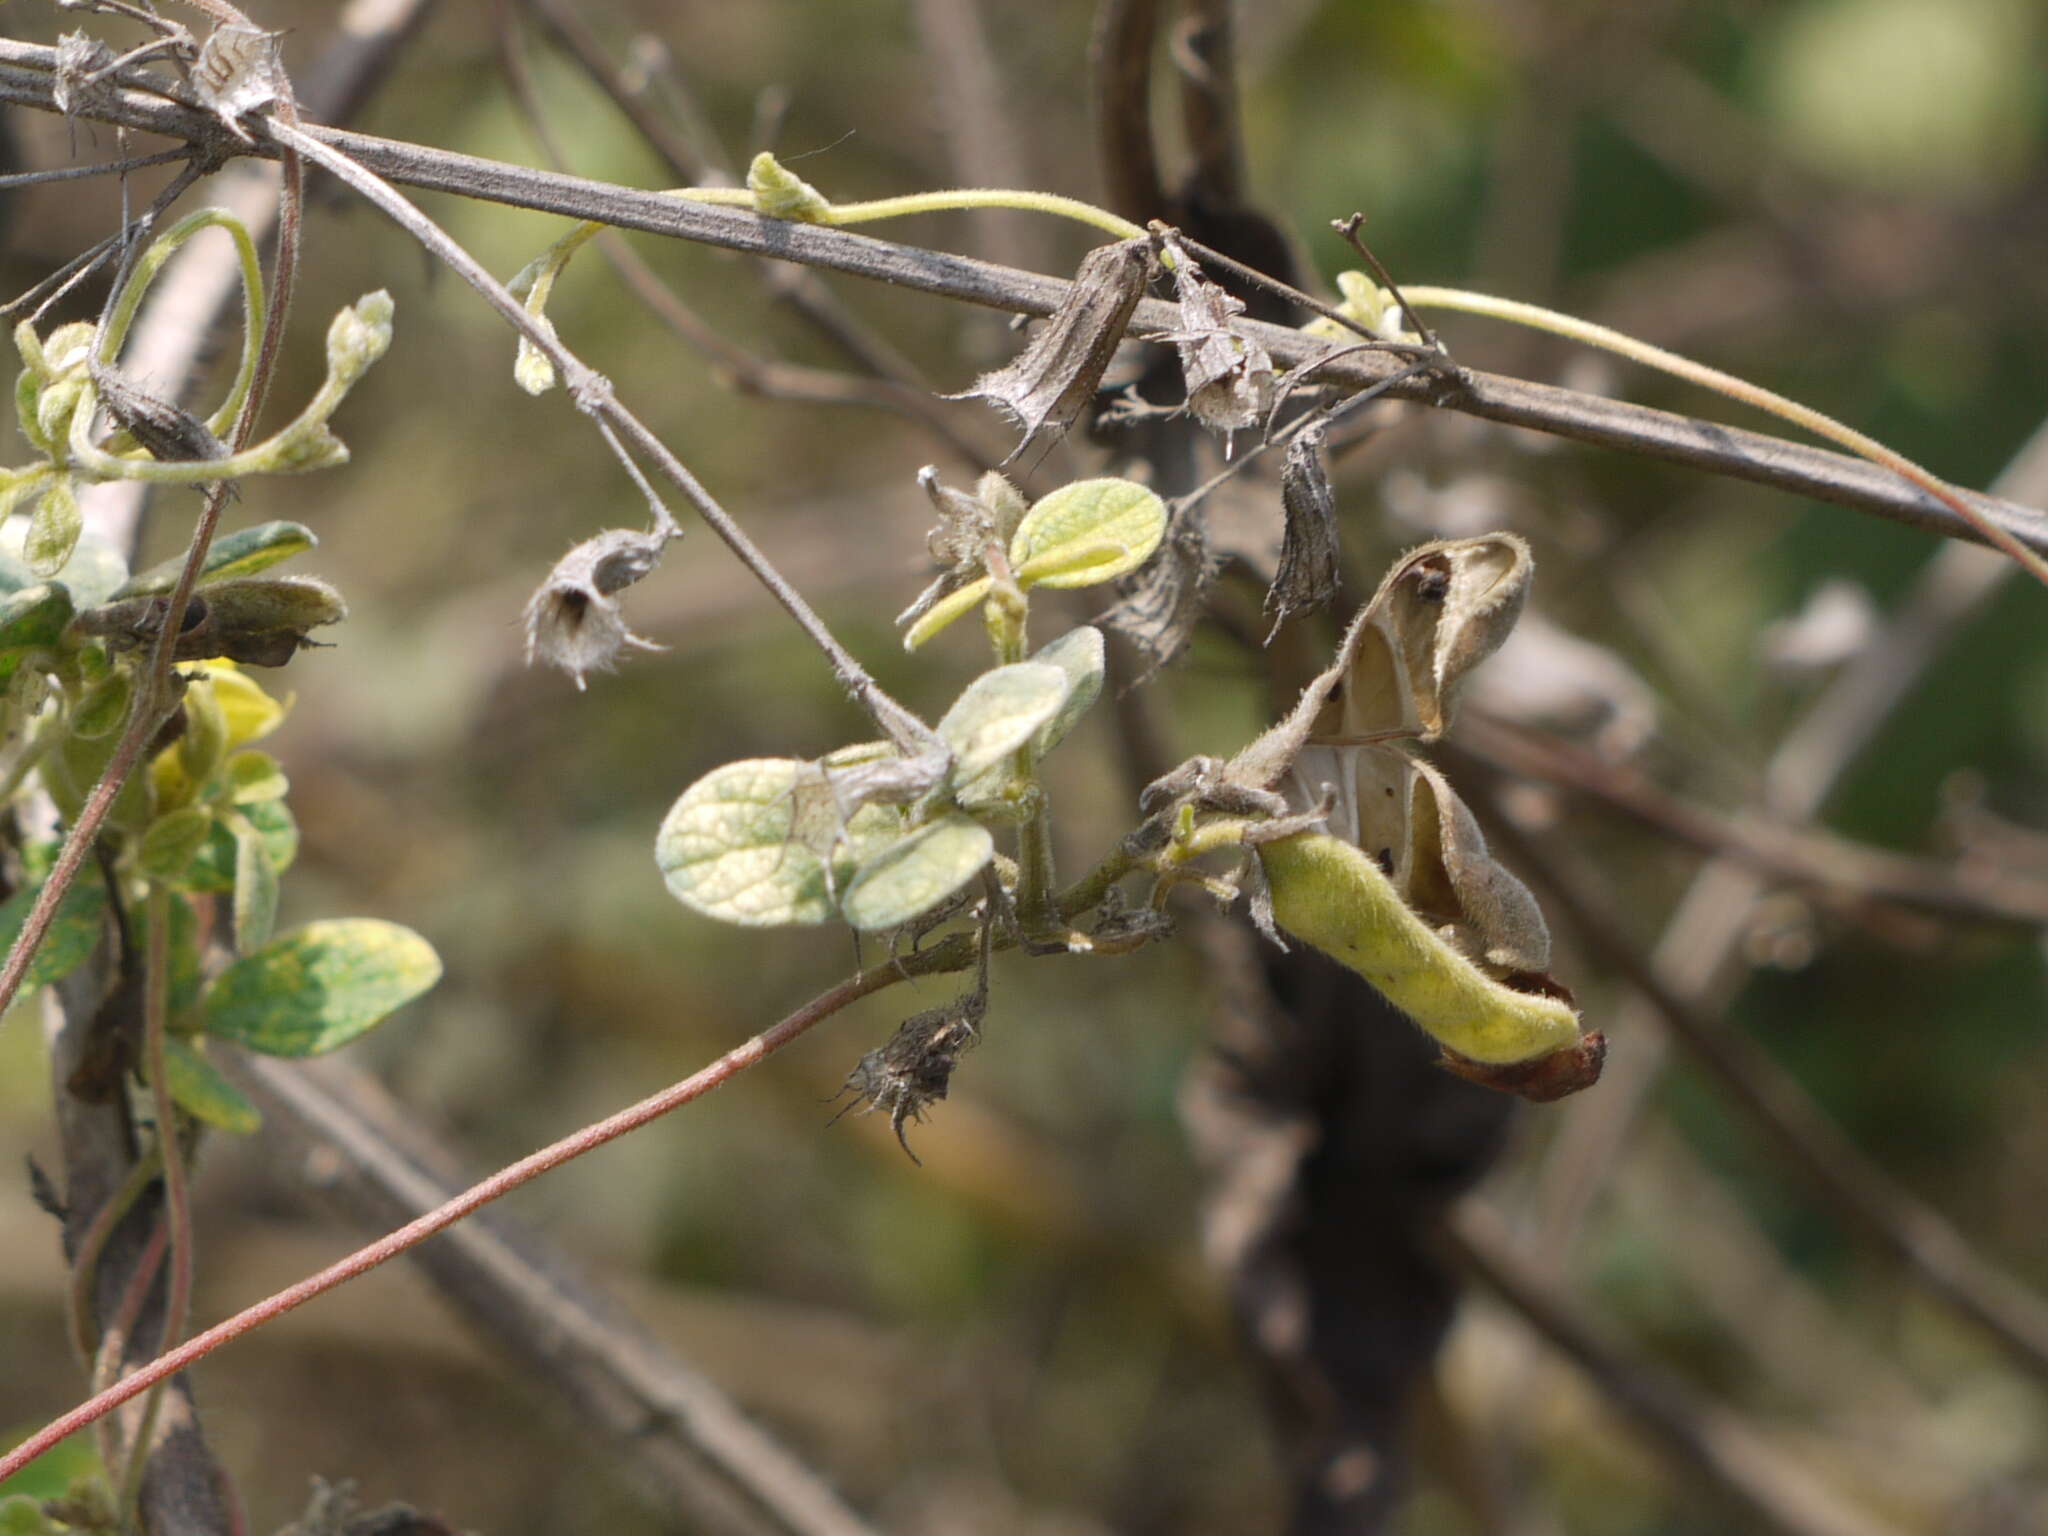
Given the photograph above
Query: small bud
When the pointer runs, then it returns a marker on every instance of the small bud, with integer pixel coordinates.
(1229, 377)
(1054, 378)
(168, 434)
(780, 193)
(1308, 573)
(572, 621)
(359, 336)
(238, 71)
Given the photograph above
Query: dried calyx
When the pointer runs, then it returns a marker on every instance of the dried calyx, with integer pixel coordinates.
(573, 620)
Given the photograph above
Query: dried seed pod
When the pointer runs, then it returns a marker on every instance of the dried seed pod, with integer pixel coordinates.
(572, 621)
(1308, 573)
(1051, 382)
(239, 69)
(168, 434)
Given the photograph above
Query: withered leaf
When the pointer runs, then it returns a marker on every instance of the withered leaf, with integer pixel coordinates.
(1308, 573)
(1228, 376)
(1051, 382)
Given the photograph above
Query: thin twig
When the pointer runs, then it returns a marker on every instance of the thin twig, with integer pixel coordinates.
(1710, 446)
(501, 1183)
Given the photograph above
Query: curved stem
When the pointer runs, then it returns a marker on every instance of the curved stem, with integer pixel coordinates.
(503, 1182)
(954, 198)
(1820, 424)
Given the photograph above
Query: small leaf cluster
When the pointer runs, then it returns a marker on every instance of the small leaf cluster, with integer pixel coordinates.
(863, 833)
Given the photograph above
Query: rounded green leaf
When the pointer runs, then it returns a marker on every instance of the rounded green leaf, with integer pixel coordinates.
(1087, 532)
(749, 843)
(172, 841)
(198, 1088)
(999, 712)
(916, 873)
(319, 986)
(104, 707)
(242, 553)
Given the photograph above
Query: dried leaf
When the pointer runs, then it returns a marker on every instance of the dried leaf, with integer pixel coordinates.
(239, 70)
(1308, 574)
(1229, 377)
(1054, 378)
(1440, 611)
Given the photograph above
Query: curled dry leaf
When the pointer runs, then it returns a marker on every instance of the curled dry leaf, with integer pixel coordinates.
(572, 621)
(1308, 574)
(1229, 377)
(1441, 610)
(1054, 378)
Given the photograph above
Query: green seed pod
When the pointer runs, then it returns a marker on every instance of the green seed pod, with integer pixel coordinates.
(1335, 897)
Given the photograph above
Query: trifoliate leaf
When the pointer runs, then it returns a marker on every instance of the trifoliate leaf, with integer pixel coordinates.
(320, 986)
(916, 873)
(1087, 532)
(999, 712)
(761, 843)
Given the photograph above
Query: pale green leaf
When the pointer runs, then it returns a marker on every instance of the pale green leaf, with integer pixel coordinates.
(916, 873)
(320, 986)
(1088, 532)
(763, 843)
(1079, 654)
(945, 611)
(999, 712)
(53, 528)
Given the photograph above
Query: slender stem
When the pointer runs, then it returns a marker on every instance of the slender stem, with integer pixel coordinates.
(593, 393)
(177, 1196)
(952, 198)
(85, 1262)
(503, 1182)
(103, 168)
(1816, 422)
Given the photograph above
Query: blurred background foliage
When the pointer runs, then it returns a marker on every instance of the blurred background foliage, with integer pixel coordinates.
(1844, 199)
